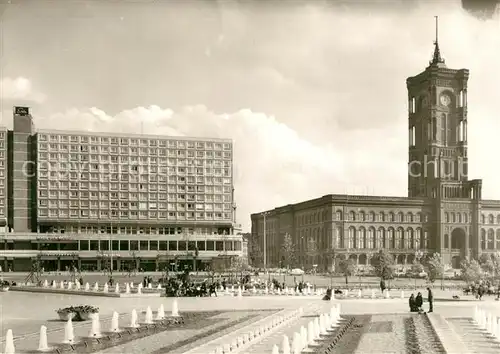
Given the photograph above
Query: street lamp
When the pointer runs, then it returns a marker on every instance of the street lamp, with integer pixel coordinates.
(264, 214)
(418, 256)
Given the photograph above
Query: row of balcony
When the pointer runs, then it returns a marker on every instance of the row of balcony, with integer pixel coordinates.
(16, 254)
(68, 236)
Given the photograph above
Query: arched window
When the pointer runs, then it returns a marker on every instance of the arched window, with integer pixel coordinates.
(338, 215)
(483, 239)
(446, 217)
(352, 216)
(419, 217)
(466, 218)
(400, 238)
(372, 241)
(453, 217)
(372, 216)
(459, 218)
(340, 238)
(418, 238)
(411, 239)
(426, 239)
(381, 237)
(498, 219)
(410, 217)
(491, 239)
(434, 129)
(391, 216)
(491, 219)
(381, 216)
(483, 219)
(401, 217)
(352, 238)
(498, 240)
(443, 128)
(362, 238)
(362, 216)
(390, 237)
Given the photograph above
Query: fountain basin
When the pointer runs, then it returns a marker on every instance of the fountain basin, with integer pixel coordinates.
(36, 289)
(65, 316)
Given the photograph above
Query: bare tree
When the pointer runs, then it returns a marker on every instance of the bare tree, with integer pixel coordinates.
(105, 261)
(238, 265)
(255, 254)
(133, 268)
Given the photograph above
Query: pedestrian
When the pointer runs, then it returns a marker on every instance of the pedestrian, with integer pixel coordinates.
(419, 302)
(411, 302)
(382, 285)
(430, 298)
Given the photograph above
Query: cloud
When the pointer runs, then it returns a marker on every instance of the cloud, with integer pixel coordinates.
(313, 95)
(19, 89)
(273, 164)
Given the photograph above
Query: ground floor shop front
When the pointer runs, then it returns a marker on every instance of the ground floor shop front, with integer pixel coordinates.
(54, 264)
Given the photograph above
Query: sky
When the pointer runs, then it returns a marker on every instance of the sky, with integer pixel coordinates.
(313, 94)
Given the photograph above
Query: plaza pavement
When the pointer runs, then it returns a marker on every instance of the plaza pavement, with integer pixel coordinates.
(24, 313)
(318, 280)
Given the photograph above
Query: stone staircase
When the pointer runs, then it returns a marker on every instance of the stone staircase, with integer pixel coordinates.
(450, 340)
(461, 335)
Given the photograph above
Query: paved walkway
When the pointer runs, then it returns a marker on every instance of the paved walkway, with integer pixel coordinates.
(266, 342)
(158, 343)
(475, 339)
(24, 313)
(386, 334)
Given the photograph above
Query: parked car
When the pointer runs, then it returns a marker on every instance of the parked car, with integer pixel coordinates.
(297, 271)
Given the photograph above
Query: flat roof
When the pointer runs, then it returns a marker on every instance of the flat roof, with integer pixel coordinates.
(131, 135)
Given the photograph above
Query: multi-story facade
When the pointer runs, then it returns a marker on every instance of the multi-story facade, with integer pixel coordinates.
(3, 177)
(154, 196)
(444, 211)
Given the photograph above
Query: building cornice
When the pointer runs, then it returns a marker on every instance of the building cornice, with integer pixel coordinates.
(347, 200)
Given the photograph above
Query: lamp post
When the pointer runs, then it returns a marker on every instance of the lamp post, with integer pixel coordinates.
(418, 256)
(302, 255)
(264, 214)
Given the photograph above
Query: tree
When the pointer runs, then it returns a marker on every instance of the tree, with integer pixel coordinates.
(383, 265)
(329, 258)
(415, 270)
(434, 267)
(255, 253)
(471, 270)
(238, 265)
(490, 264)
(347, 267)
(288, 251)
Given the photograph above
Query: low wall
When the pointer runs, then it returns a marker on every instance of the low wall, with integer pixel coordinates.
(36, 289)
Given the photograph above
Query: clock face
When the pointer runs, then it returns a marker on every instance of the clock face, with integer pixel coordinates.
(445, 100)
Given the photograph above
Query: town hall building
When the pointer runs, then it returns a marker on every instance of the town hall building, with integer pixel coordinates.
(444, 211)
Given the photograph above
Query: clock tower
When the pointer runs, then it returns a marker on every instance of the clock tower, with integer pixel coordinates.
(437, 156)
(437, 120)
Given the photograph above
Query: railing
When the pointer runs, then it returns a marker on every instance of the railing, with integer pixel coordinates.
(389, 250)
(32, 236)
(114, 254)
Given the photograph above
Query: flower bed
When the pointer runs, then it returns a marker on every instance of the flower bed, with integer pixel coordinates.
(77, 313)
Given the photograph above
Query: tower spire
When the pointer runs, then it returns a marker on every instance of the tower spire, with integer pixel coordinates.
(436, 58)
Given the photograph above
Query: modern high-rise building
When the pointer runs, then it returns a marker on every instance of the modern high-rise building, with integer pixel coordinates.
(444, 211)
(72, 197)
